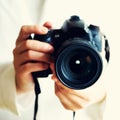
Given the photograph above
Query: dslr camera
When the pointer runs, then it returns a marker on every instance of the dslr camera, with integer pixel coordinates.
(78, 63)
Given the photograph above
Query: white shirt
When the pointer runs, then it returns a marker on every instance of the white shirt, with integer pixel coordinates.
(14, 14)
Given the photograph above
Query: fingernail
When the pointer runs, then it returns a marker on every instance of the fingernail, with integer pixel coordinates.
(50, 48)
(43, 30)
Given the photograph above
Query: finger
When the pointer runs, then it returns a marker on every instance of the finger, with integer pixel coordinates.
(33, 56)
(35, 46)
(70, 100)
(27, 30)
(48, 24)
(65, 89)
(31, 67)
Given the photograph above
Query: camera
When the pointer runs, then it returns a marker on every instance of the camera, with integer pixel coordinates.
(78, 63)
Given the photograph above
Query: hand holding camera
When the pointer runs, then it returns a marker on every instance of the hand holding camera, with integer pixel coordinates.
(30, 56)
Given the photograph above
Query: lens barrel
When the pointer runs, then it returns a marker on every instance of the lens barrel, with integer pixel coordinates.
(78, 65)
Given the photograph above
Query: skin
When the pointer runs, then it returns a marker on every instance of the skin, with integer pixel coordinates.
(31, 56)
(27, 51)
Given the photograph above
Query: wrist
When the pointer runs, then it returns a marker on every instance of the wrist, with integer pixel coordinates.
(23, 87)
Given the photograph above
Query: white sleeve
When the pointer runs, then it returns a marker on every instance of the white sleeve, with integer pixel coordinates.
(94, 111)
(7, 88)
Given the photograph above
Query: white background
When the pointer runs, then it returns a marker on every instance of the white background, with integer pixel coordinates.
(106, 14)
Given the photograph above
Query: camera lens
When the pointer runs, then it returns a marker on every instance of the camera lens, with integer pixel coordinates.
(78, 65)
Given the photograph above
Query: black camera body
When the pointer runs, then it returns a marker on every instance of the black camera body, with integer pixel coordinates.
(78, 63)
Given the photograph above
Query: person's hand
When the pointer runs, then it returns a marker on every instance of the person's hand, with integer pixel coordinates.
(30, 56)
(77, 99)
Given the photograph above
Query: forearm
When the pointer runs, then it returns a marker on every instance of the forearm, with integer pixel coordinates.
(7, 88)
